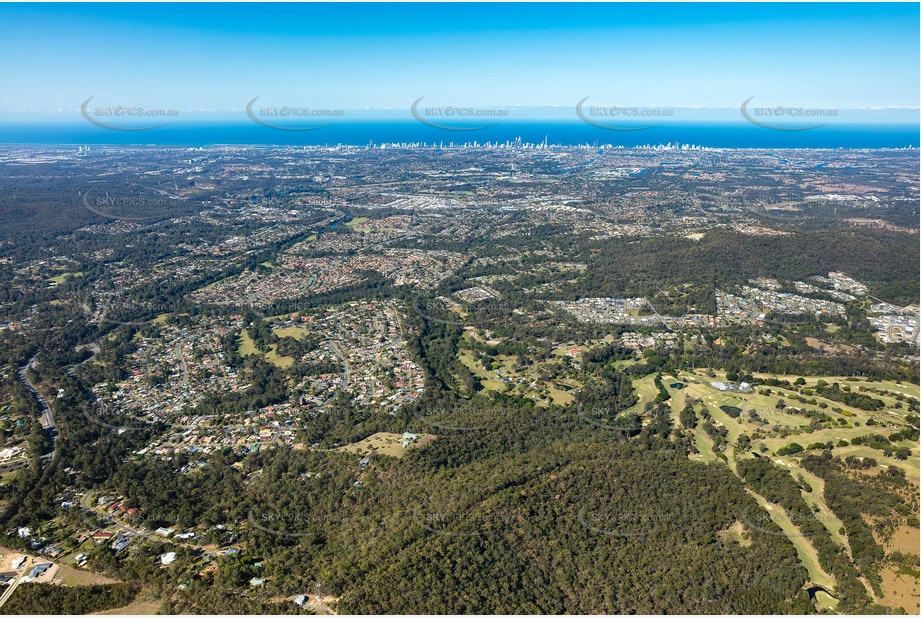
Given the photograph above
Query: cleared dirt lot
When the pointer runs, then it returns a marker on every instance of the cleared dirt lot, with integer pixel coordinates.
(58, 574)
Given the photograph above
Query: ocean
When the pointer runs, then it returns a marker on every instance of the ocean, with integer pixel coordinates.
(363, 133)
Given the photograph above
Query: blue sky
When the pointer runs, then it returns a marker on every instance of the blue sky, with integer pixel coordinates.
(218, 57)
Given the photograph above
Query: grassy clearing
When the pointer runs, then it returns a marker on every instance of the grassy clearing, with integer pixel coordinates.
(900, 591)
(247, 345)
(487, 379)
(62, 277)
(901, 586)
(356, 224)
(279, 361)
(383, 443)
(560, 397)
(509, 377)
(69, 576)
(296, 332)
(248, 348)
(219, 282)
(736, 533)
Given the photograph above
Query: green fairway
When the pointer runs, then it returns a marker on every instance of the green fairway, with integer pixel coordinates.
(805, 418)
(808, 555)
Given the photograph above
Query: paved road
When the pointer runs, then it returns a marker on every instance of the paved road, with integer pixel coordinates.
(10, 588)
(86, 505)
(345, 371)
(345, 364)
(133, 532)
(656, 313)
(47, 419)
(23, 572)
(185, 369)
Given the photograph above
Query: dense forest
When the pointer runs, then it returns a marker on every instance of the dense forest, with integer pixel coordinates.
(48, 599)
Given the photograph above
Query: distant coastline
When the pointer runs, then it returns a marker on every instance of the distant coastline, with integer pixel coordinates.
(555, 133)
